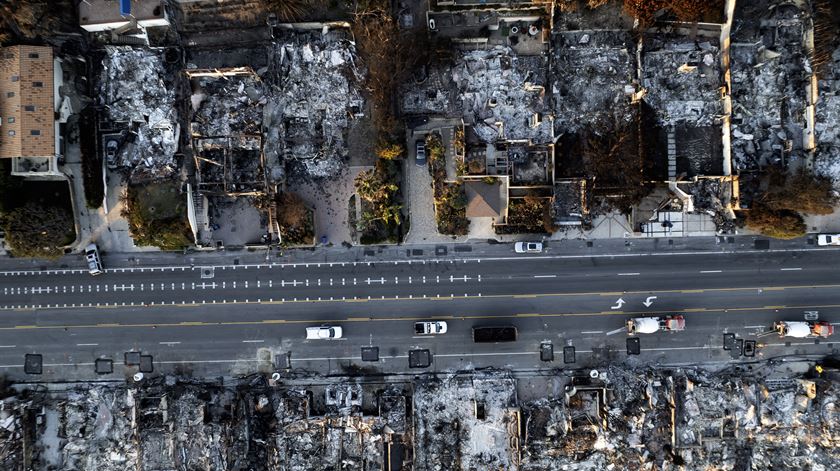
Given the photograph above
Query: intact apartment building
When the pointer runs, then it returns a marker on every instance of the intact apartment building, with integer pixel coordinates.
(29, 80)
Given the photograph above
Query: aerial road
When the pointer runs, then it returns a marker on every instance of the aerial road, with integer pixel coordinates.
(245, 317)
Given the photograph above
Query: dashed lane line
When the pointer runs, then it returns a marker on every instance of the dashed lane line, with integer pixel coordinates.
(401, 319)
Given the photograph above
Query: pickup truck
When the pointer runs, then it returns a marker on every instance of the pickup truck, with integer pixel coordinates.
(494, 334)
(649, 325)
(803, 329)
(430, 327)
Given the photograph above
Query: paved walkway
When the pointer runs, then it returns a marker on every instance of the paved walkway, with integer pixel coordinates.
(108, 229)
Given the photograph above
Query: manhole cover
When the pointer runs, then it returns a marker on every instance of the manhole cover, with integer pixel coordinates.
(131, 358)
(370, 353)
(634, 346)
(207, 272)
(146, 364)
(419, 358)
(33, 364)
(547, 351)
(568, 354)
(104, 366)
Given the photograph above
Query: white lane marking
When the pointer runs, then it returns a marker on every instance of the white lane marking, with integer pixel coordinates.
(711, 271)
(485, 259)
(628, 274)
(545, 276)
(87, 344)
(754, 326)
(790, 269)
(592, 332)
(169, 343)
(613, 332)
(8, 346)
(253, 341)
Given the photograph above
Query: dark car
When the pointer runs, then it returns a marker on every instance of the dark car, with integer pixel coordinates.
(420, 158)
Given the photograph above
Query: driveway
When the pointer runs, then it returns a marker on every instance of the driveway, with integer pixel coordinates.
(420, 199)
(331, 199)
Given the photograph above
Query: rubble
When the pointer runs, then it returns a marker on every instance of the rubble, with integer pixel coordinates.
(498, 93)
(466, 423)
(313, 101)
(139, 100)
(770, 77)
(619, 417)
(827, 127)
(592, 73)
(503, 95)
(682, 80)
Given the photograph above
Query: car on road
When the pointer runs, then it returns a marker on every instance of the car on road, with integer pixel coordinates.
(803, 329)
(828, 239)
(528, 247)
(430, 328)
(649, 325)
(93, 260)
(324, 332)
(494, 334)
(420, 155)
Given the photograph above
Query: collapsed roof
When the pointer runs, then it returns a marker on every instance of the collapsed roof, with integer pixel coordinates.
(770, 77)
(592, 74)
(136, 90)
(313, 100)
(682, 80)
(503, 95)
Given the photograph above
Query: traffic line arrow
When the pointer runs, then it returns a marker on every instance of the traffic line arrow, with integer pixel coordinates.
(649, 301)
(618, 304)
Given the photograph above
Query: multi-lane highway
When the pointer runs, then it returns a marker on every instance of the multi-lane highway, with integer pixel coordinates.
(239, 318)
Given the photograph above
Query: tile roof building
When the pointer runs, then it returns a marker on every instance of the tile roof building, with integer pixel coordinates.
(27, 107)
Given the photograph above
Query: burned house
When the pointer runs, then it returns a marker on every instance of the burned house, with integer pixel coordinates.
(252, 130)
(502, 95)
(592, 79)
(314, 99)
(139, 127)
(468, 423)
(226, 131)
(827, 117)
(772, 116)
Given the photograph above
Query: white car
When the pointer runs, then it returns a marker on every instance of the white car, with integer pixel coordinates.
(324, 332)
(528, 247)
(828, 239)
(93, 260)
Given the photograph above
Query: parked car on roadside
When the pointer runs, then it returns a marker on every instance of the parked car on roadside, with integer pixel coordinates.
(324, 332)
(528, 247)
(828, 239)
(93, 260)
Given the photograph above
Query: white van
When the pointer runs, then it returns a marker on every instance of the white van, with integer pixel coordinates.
(93, 260)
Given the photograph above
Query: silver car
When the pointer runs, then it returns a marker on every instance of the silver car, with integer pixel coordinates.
(93, 260)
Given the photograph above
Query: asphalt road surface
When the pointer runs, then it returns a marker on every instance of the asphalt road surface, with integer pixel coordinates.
(219, 319)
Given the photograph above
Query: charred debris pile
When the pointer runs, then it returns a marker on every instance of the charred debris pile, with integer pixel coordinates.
(616, 418)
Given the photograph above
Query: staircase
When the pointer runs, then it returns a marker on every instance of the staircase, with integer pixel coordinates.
(672, 154)
(202, 224)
